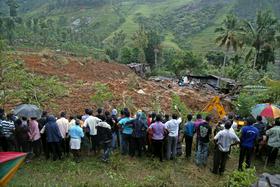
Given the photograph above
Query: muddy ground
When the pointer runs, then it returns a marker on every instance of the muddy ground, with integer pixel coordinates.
(80, 74)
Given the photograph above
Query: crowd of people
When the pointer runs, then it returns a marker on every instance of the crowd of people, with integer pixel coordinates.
(137, 134)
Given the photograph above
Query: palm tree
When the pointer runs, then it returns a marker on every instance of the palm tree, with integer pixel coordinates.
(260, 35)
(228, 35)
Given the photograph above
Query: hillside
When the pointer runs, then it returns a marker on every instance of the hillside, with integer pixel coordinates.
(185, 24)
(122, 81)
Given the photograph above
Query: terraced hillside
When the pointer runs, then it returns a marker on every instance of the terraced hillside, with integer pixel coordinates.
(186, 24)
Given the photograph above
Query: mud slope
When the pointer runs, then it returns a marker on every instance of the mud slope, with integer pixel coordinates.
(79, 74)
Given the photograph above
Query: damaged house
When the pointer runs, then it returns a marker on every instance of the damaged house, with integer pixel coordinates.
(224, 85)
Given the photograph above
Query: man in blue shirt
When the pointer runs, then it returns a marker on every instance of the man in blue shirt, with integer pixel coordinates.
(188, 134)
(249, 136)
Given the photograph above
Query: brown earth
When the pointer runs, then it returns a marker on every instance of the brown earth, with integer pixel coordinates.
(79, 74)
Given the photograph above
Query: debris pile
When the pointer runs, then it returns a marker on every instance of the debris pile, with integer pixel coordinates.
(79, 78)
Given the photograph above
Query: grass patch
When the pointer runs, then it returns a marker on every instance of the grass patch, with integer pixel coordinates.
(124, 171)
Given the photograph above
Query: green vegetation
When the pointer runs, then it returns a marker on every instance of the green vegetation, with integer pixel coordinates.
(247, 177)
(102, 94)
(178, 106)
(123, 171)
(19, 85)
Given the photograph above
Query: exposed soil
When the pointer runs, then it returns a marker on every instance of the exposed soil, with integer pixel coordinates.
(79, 74)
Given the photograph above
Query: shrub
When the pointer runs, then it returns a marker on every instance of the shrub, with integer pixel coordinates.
(244, 104)
(102, 94)
(242, 178)
(179, 106)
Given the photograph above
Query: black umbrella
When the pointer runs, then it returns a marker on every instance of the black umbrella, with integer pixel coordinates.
(28, 111)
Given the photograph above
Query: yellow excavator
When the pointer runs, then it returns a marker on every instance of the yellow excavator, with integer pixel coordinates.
(215, 104)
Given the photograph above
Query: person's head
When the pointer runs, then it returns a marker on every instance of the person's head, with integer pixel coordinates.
(228, 124)
(189, 117)
(90, 112)
(87, 111)
(71, 117)
(126, 113)
(2, 113)
(174, 116)
(208, 118)
(77, 122)
(63, 114)
(107, 113)
(79, 117)
(33, 118)
(114, 112)
(122, 113)
(198, 116)
(10, 116)
(166, 116)
(250, 120)
(24, 118)
(158, 117)
(44, 114)
(259, 118)
(277, 122)
(224, 120)
(153, 115)
(99, 111)
(231, 116)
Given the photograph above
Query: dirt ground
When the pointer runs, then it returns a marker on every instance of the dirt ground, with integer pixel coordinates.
(80, 74)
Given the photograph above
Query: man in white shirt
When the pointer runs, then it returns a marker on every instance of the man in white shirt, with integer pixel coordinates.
(63, 126)
(91, 122)
(224, 140)
(173, 127)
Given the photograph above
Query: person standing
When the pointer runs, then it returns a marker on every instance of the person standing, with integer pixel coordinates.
(115, 130)
(42, 122)
(204, 132)
(126, 133)
(273, 144)
(224, 140)
(63, 125)
(22, 137)
(76, 134)
(100, 115)
(188, 134)
(173, 128)
(139, 125)
(157, 129)
(53, 138)
(91, 123)
(7, 129)
(105, 138)
(259, 144)
(249, 136)
(197, 122)
(35, 136)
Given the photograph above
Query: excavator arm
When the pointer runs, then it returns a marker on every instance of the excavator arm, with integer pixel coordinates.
(215, 104)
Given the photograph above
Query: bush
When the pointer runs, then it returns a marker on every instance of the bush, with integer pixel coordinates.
(247, 177)
(244, 104)
(178, 106)
(102, 94)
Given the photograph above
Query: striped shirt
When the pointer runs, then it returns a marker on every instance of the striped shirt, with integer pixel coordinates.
(7, 128)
